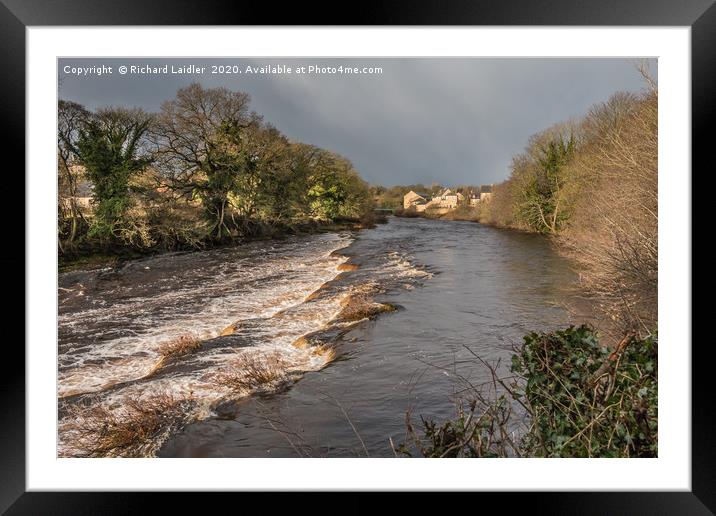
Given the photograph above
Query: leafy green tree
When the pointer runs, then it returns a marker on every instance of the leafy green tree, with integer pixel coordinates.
(329, 189)
(264, 184)
(326, 196)
(287, 180)
(110, 148)
(542, 205)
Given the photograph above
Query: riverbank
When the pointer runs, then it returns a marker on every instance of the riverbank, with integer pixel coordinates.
(465, 213)
(461, 213)
(90, 258)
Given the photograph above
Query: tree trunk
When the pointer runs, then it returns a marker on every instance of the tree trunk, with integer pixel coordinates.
(73, 228)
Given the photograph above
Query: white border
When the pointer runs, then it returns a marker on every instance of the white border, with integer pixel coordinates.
(672, 470)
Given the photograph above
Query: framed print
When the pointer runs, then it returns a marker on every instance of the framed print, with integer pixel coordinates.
(321, 257)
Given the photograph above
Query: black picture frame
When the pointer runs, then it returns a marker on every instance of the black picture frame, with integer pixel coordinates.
(16, 15)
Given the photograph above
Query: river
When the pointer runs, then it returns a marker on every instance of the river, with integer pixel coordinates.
(346, 387)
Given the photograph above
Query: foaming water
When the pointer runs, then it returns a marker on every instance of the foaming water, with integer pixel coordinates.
(113, 331)
(260, 299)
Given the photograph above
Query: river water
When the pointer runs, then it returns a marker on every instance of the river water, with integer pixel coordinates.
(344, 390)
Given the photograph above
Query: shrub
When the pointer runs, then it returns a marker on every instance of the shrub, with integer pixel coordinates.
(581, 399)
(613, 231)
(252, 370)
(587, 400)
(132, 430)
(178, 346)
(472, 434)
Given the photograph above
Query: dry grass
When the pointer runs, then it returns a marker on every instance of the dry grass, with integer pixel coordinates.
(360, 306)
(253, 370)
(133, 430)
(181, 345)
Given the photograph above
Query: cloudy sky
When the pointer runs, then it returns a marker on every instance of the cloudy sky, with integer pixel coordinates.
(445, 120)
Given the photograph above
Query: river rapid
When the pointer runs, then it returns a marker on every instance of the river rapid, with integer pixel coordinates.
(342, 383)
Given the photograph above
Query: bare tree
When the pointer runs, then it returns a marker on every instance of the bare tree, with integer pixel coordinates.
(613, 232)
(199, 136)
(645, 71)
(70, 118)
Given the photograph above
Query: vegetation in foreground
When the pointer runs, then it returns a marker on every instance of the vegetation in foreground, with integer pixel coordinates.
(137, 426)
(576, 397)
(203, 171)
(251, 370)
(179, 346)
(135, 429)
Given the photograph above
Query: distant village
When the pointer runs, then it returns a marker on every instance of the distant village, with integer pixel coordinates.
(446, 200)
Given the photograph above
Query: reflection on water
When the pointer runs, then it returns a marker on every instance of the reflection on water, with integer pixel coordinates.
(456, 283)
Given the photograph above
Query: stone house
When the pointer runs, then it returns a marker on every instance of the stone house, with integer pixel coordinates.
(447, 199)
(414, 199)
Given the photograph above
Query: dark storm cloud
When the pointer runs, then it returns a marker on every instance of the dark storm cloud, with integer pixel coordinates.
(448, 120)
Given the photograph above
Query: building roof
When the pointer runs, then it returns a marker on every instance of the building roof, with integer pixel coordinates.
(446, 192)
(419, 194)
